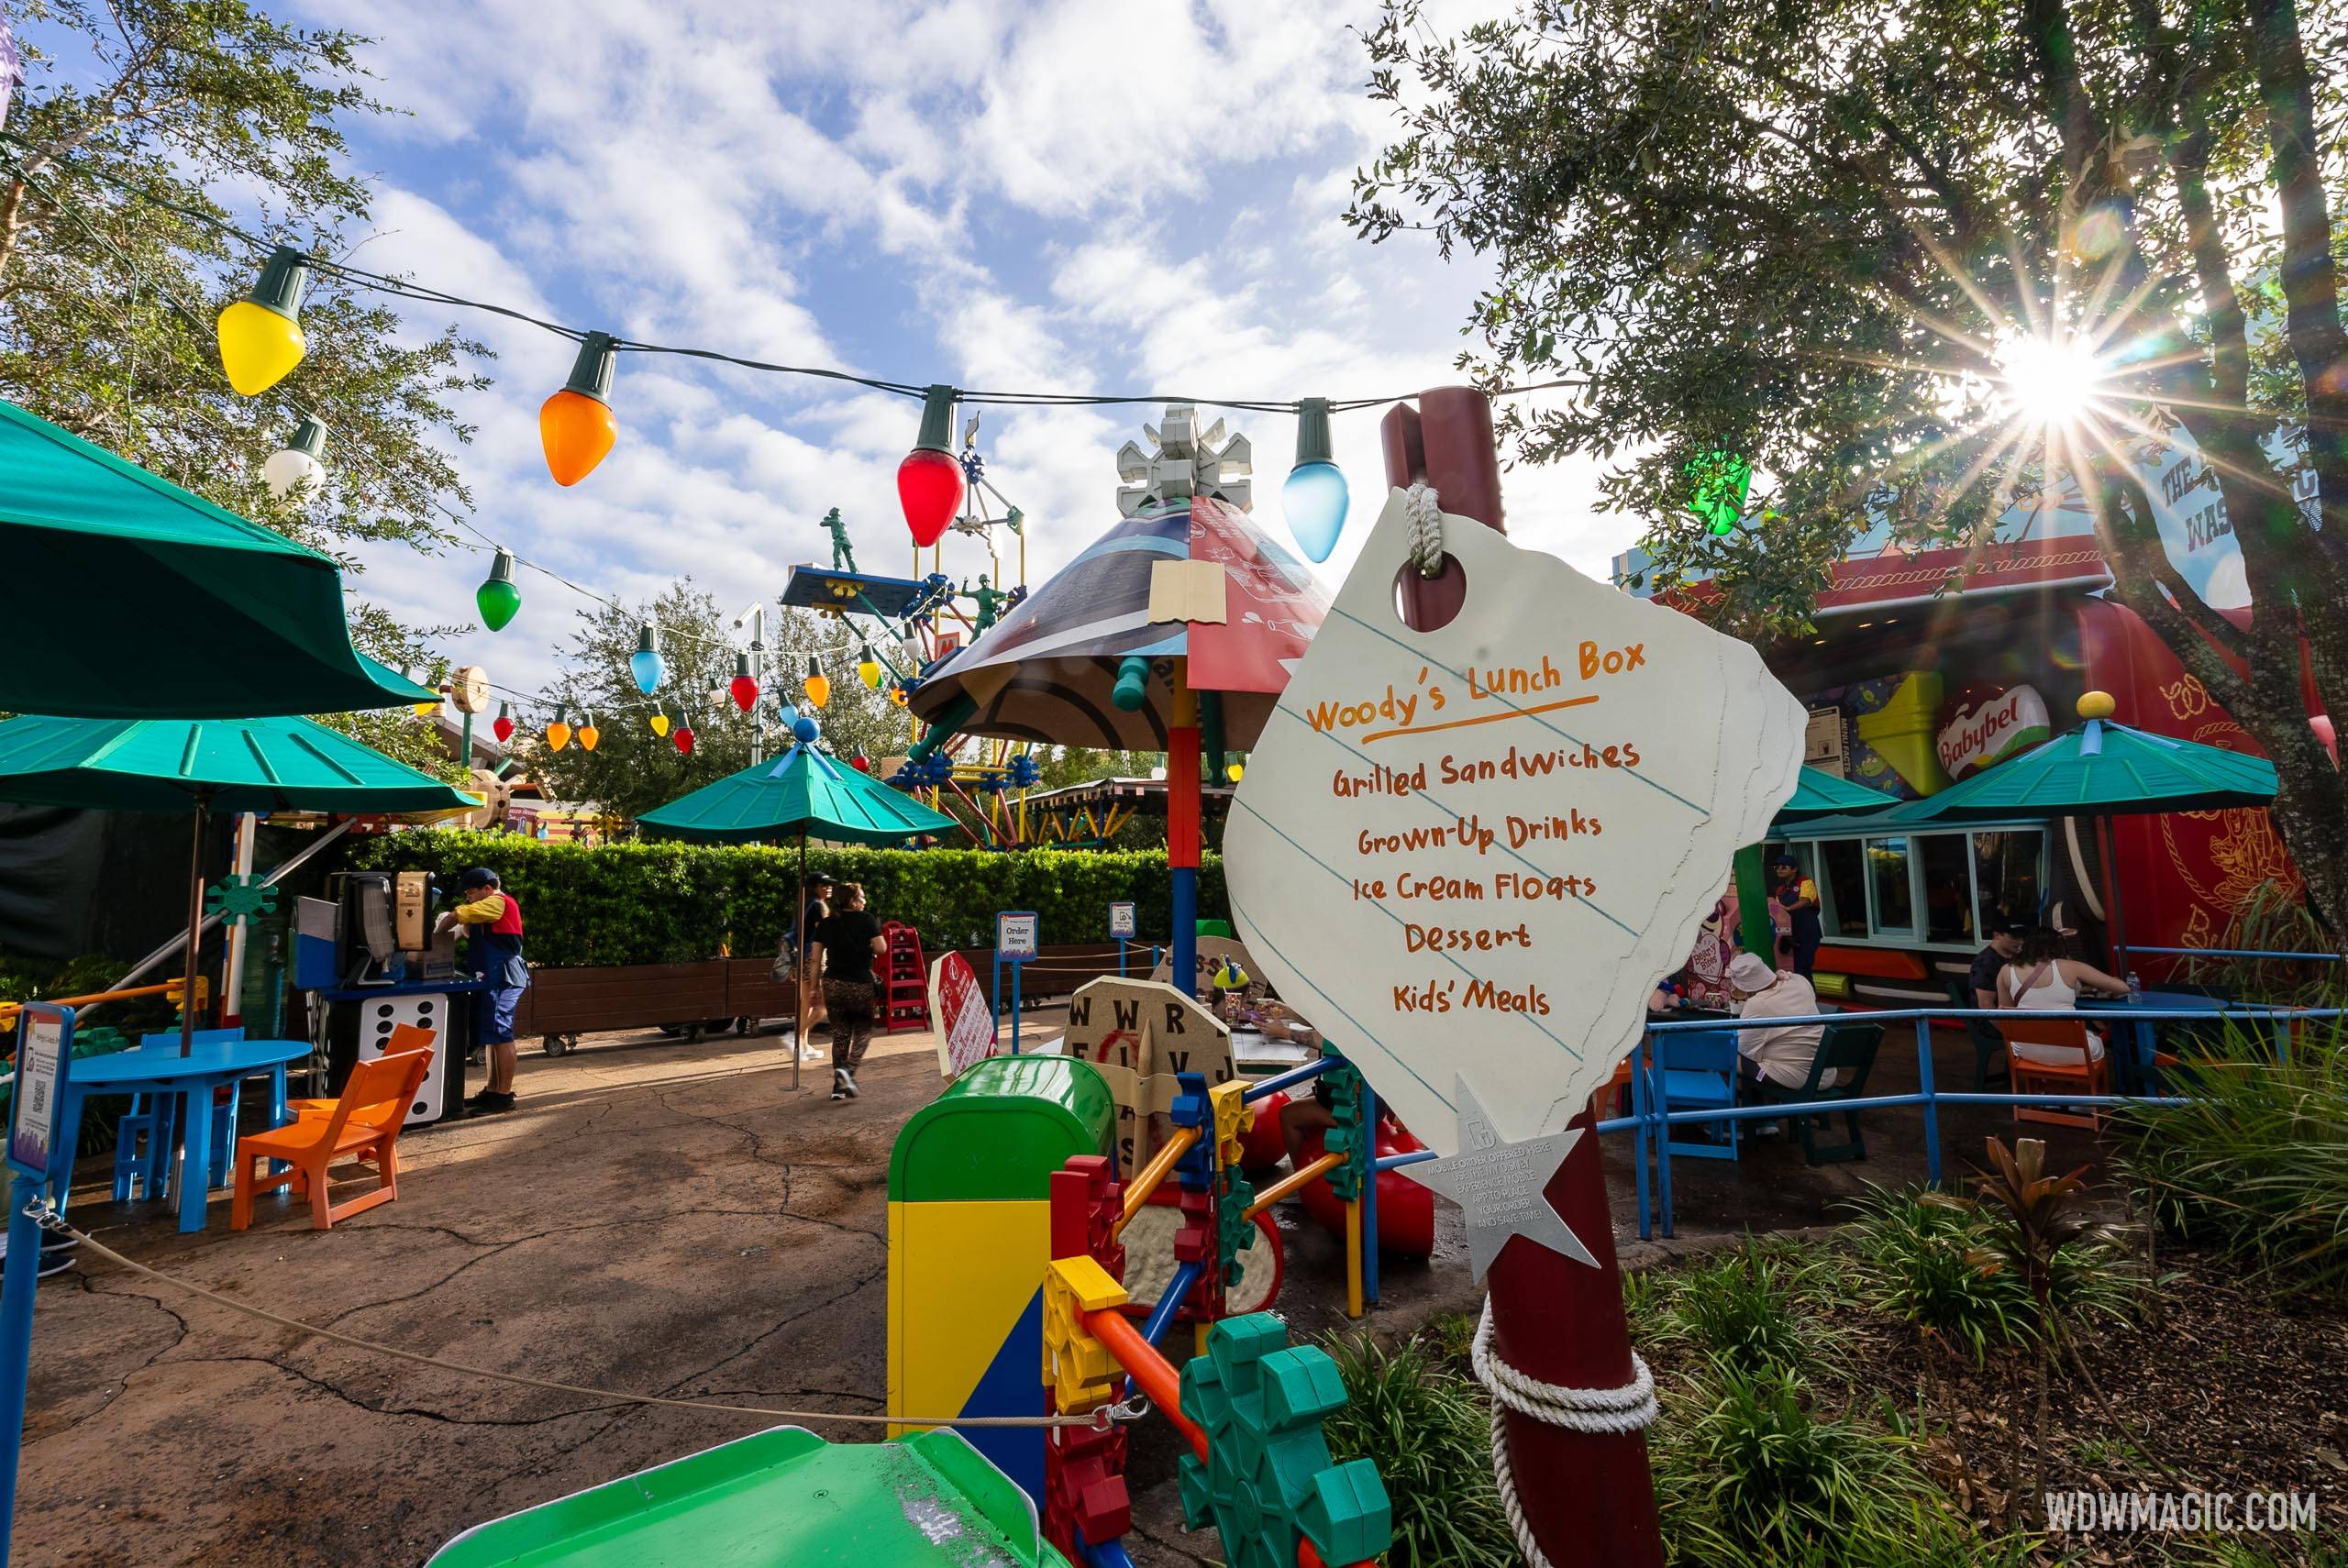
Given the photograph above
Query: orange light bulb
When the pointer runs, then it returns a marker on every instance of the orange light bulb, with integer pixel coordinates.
(576, 424)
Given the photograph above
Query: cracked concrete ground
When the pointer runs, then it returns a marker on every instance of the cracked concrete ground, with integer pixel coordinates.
(659, 1217)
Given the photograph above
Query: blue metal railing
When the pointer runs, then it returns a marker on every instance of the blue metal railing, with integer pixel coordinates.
(2231, 953)
(1652, 1116)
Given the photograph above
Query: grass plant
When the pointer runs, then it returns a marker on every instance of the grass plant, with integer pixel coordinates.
(1427, 1426)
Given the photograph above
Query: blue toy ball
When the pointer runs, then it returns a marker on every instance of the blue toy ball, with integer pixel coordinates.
(805, 728)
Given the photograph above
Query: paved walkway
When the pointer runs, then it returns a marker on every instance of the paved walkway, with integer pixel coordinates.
(660, 1217)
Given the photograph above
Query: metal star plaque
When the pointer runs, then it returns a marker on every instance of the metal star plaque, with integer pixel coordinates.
(1499, 1184)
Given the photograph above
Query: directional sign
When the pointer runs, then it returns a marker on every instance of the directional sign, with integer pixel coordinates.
(1015, 935)
(1469, 853)
(44, 1041)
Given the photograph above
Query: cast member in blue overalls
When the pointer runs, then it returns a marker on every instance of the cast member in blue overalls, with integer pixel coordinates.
(493, 921)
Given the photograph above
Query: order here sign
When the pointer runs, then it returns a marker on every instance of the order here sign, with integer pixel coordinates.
(1472, 851)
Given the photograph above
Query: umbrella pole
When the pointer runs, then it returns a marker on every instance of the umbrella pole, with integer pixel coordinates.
(194, 932)
(804, 1032)
(2115, 929)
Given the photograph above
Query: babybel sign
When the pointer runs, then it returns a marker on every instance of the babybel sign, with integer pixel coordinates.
(1466, 854)
(2013, 721)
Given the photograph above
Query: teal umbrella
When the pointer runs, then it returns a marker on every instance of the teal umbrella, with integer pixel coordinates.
(1823, 794)
(803, 791)
(136, 599)
(200, 766)
(2102, 770)
(2105, 769)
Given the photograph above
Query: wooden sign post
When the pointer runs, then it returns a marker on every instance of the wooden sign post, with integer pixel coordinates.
(1493, 805)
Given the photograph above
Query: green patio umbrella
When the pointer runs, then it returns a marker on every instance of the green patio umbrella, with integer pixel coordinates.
(201, 766)
(2104, 770)
(801, 791)
(136, 599)
(1821, 794)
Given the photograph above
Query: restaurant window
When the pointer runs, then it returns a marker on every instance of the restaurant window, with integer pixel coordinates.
(2006, 875)
(1893, 910)
(1948, 887)
(1844, 886)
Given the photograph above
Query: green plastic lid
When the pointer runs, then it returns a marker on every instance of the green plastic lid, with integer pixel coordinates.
(782, 1499)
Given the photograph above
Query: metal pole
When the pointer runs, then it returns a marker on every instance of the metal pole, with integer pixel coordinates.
(1016, 967)
(1369, 1195)
(188, 976)
(1932, 1104)
(232, 969)
(22, 1271)
(1642, 1136)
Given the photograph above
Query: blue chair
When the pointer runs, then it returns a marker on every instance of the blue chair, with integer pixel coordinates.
(1848, 1051)
(1696, 1070)
(147, 1171)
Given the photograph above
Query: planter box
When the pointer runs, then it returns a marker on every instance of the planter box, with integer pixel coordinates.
(563, 1004)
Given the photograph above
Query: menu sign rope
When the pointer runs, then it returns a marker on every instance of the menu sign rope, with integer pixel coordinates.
(1467, 854)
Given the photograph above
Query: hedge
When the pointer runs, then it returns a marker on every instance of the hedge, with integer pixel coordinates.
(674, 903)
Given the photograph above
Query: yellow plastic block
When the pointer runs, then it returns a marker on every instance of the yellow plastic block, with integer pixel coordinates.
(960, 1277)
(1232, 1116)
(1078, 1368)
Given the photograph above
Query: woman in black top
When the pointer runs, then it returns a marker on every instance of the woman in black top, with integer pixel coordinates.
(846, 942)
(813, 912)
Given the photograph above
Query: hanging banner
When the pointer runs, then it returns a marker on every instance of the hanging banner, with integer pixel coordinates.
(958, 1012)
(1986, 734)
(1467, 854)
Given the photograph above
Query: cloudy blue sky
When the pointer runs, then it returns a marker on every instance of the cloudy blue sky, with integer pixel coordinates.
(1141, 195)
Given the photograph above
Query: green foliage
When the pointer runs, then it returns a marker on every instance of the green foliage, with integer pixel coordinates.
(1749, 1471)
(2324, 1548)
(632, 771)
(1746, 1307)
(2256, 1162)
(667, 903)
(1814, 236)
(1919, 1263)
(173, 99)
(1427, 1428)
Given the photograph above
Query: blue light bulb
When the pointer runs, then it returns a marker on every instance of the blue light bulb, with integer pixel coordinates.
(647, 666)
(1314, 500)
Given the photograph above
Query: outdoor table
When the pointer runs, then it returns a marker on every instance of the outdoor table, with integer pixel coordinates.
(159, 1069)
(2137, 1060)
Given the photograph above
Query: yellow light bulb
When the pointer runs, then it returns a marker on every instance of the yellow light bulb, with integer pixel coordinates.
(659, 723)
(869, 671)
(258, 346)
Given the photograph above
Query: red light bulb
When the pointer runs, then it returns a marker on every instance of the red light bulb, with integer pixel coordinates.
(503, 728)
(745, 688)
(929, 487)
(683, 736)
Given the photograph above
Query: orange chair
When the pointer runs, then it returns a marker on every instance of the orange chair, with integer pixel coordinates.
(2090, 1073)
(404, 1037)
(364, 1124)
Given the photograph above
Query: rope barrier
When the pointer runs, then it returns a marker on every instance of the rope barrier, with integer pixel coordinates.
(44, 1213)
(1629, 1408)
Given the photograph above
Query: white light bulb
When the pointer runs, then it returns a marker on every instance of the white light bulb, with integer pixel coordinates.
(289, 469)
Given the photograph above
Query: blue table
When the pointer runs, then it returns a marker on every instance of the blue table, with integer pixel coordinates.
(2137, 1061)
(159, 1069)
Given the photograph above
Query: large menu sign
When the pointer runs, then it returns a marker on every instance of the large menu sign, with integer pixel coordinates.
(1467, 854)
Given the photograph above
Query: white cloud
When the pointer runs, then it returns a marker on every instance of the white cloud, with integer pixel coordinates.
(1070, 196)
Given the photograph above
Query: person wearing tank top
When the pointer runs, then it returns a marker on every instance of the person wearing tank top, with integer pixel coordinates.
(2040, 979)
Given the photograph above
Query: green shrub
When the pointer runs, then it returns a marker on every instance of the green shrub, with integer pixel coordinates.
(1428, 1429)
(2257, 1163)
(1918, 1263)
(670, 903)
(1746, 1308)
(1748, 1472)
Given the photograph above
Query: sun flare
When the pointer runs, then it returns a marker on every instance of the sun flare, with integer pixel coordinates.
(2051, 380)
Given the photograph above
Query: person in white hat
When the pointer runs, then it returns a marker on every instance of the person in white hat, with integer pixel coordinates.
(1782, 1056)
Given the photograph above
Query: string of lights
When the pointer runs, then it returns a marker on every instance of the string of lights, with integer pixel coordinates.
(16, 147)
